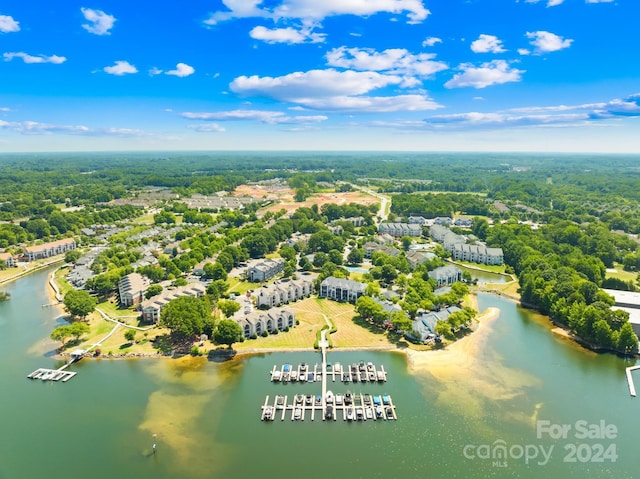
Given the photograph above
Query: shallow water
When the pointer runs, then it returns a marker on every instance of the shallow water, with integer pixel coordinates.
(205, 415)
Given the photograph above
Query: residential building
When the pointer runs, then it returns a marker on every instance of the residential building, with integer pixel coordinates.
(151, 308)
(336, 230)
(438, 232)
(131, 289)
(356, 221)
(477, 254)
(47, 250)
(424, 326)
(400, 229)
(463, 222)
(442, 220)
(371, 247)
(255, 323)
(8, 259)
(417, 220)
(283, 292)
(344, 290)
(418, 257)
(265, 270)
(446, 275)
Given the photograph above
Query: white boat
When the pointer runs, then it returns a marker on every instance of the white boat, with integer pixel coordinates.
(268, 413)
(349, 414)
(368, 413)
(338, 399)
(329, 397)
(276, 375)
(303, 376)
(297, 414)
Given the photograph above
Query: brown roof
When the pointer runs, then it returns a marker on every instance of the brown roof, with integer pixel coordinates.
(46, 246)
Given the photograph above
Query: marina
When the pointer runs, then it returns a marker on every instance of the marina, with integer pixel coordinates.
(355, 372)
(359, 407)
(328, 406)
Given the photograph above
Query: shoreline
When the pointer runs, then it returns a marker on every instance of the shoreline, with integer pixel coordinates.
(27, 271)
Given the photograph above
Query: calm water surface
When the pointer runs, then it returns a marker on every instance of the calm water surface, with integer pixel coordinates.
(206, 415)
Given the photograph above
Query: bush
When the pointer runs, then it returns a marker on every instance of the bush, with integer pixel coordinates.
(297, 322)
(286, 329)
(195, 351)
(265, 334)
(254, 336)
(275, 331)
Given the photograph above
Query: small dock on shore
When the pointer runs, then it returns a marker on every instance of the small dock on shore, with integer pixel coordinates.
(59, 374)
(51, 375)
(632, 388)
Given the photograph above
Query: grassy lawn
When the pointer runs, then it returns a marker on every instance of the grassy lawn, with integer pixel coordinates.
(116, 344)
(13, 273)
(311, 313)
(483, 267)
(240, 287)
(302, 336)
(622, 274)
(144, 219)
(61, 280)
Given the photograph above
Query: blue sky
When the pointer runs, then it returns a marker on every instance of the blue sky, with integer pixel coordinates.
(420, 75)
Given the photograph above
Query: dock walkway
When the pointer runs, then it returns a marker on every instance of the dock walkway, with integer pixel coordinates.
(359, 408)
(632, 388)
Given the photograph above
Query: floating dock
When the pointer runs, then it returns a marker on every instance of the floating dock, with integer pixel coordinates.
(362, 407)
(356, 372)
(351, 407)
(51, 375)
(59, 374)
(632, 388)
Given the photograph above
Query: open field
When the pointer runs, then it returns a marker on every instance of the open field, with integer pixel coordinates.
(283, 198)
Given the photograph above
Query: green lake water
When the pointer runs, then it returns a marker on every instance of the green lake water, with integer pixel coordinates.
(101, 423)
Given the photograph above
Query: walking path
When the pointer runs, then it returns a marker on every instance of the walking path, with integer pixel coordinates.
(108, 318)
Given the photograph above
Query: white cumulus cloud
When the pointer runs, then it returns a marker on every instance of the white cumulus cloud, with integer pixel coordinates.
(121, 67)
(495, 72)
(316, 10)
(394, 61)
(56, 59)
(8, 24)
(181, 70)
(545, 42)
(334, 90)
(431, 41)
(99, 22)
(487, 44)
(286, 35)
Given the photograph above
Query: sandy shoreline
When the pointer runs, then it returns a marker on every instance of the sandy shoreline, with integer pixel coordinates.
(463, 353)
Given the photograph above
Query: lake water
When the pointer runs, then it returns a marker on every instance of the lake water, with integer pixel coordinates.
(100, 424)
